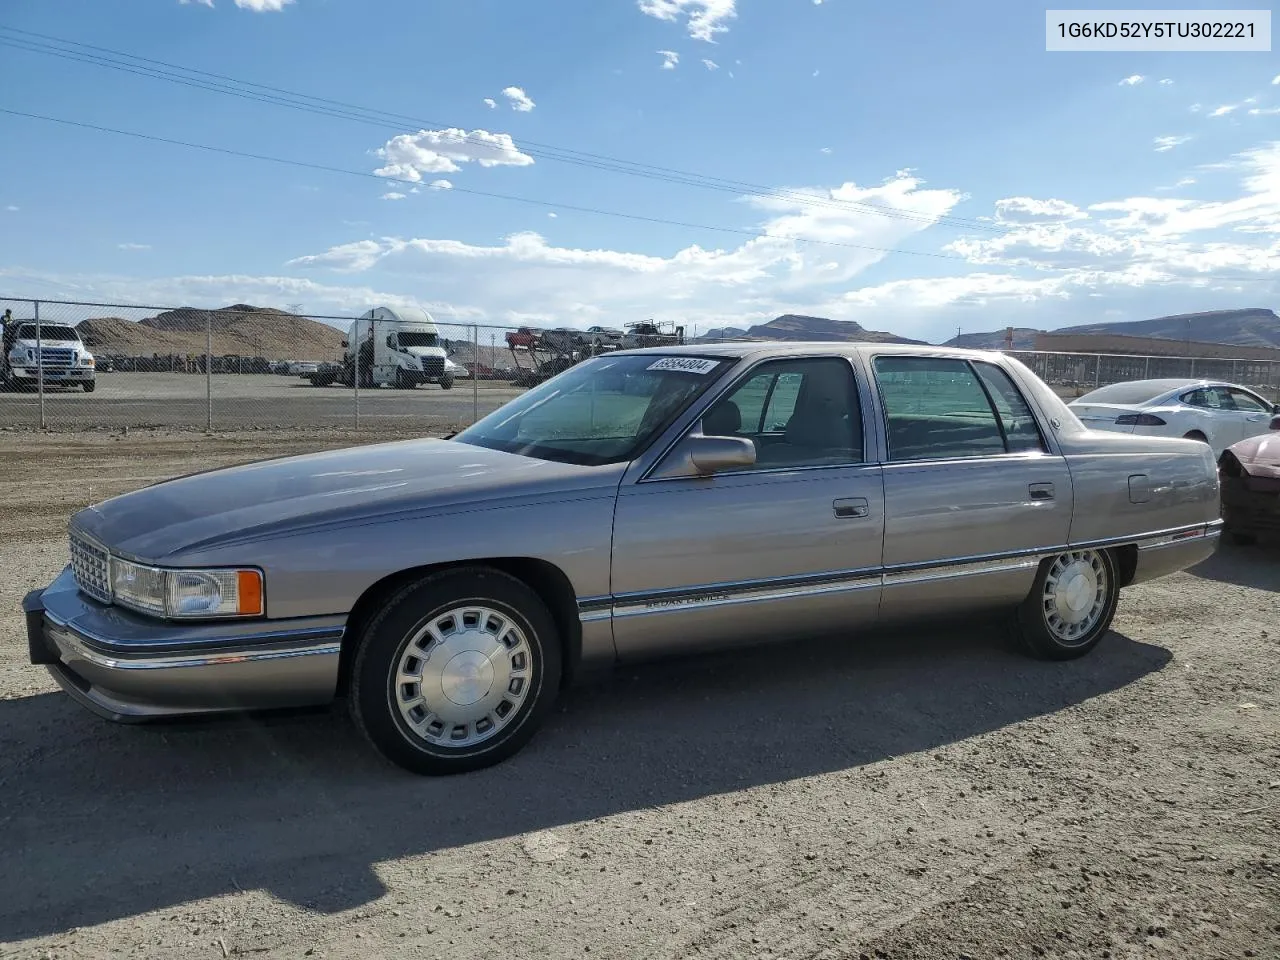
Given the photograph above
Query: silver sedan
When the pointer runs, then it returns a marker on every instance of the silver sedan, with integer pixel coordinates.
(640, 504)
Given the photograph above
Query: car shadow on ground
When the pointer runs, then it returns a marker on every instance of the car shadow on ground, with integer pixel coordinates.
(1256, 566)
(102, 821)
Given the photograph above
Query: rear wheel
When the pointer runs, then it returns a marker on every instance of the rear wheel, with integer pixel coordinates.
(457, 672)
(1195, 435)
(1071, 605)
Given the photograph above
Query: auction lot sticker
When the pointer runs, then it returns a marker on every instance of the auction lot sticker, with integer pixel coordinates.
(696, 365)
(1122, 31)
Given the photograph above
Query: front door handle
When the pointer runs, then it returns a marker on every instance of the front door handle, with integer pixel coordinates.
(851, 507)
(1040, 491)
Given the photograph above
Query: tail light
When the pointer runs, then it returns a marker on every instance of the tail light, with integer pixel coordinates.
(1139, 420)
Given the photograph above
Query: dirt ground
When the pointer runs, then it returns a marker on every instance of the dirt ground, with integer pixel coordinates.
(924, 794)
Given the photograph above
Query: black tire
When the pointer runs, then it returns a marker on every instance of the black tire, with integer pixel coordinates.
(1032, 621)
(446, 382)
(90, 386)
(386, 640)
(402, 382)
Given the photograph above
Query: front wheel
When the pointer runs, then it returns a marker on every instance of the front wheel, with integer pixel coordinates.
(446, 382)
(90, 386)
(457, 672)
(1071, 605)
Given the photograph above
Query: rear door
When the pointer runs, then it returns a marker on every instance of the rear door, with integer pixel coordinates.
(974, 491)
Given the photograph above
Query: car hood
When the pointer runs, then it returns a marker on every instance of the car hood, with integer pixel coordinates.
(381, 482)
(1260, 455)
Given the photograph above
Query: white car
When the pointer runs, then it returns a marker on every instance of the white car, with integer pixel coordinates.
(303, 368)
(1218, 413)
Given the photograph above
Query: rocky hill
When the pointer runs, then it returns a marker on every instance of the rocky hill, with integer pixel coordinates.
(1249, 327)
(240, 330)
(793, 326)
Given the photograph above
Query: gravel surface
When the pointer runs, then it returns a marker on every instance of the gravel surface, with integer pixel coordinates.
(924, 794)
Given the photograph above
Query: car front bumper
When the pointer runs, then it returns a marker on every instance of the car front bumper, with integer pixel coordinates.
(1249, 508)
(127, 667)
(60, 375)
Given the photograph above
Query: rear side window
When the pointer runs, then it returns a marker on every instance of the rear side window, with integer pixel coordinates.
(1021, 432)
(942, 408)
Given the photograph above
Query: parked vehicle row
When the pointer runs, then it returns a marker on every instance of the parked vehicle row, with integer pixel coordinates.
(640, 504)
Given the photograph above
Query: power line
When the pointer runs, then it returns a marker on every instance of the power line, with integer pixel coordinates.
(228, 151)
(341, 110)
(479, 193)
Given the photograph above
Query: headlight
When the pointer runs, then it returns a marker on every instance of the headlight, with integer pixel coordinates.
(86, 361)
(186, 593)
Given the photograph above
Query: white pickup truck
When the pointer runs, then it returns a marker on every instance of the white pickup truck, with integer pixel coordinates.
(58, 353)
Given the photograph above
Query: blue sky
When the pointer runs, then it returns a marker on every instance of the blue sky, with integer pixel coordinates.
(995, 183)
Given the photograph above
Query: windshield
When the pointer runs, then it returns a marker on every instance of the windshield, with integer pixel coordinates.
(47, 332)
(1131, 393)
(416, 338)
(605, 410)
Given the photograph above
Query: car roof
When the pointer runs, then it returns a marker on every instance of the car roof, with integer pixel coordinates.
(739, 349)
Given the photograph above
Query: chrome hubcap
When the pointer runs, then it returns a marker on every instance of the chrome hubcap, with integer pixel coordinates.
(462, 676)
(1075, 594)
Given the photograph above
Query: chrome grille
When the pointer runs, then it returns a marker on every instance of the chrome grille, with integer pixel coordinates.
(92, 568)
(56, 357)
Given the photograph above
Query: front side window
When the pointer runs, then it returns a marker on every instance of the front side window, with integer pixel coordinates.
(798, 413)
(605, 410)
(937, 408)
(1246, 401)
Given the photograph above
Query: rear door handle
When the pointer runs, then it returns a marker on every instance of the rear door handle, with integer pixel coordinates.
(1040, 491)
(851, 507)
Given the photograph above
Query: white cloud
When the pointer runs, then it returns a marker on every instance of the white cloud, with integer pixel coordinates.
(705, 18)
(553, 216)
(491, 103)
(1132, 81)
(519, 100)
(1029, 210)
(1166, 82)
(393, 195)
(1264, 111)
(133, 246)
(711, 64)
(346, 257)
(1195, 108)
(1185, 182)
(410, 155)
(669, 59)
(826, 150)
(440, 185)
(262, 6)
(11, 208)
(202, 3)
(816, 72)
(1165, 144)
(1225, 109)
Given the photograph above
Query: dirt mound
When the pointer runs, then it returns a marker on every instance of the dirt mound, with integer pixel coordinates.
(238, 330)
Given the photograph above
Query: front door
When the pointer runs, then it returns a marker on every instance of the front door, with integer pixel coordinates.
(973, 494)
(1252, 413)
(787, 547)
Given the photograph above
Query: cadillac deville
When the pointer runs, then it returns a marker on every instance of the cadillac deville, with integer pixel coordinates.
(642, 503)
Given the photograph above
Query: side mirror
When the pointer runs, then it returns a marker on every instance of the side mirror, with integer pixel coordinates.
(1276, 409)
(345, 344)
(714, 454)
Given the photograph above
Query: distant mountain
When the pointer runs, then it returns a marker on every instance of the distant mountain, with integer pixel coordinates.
(793, 326)
(1248, 327)
(1024, 338)
(724, 333)
(240, 329)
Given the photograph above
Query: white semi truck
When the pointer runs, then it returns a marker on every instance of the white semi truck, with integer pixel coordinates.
(58, 357)
(392, 347)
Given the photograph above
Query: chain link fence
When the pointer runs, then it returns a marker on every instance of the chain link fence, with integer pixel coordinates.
(85, 367)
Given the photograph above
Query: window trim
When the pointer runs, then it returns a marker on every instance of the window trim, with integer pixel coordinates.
(1044, 445)
(866, 398)
(1045, 451)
